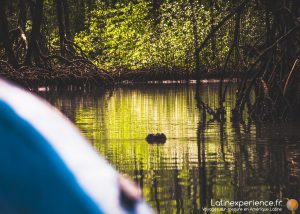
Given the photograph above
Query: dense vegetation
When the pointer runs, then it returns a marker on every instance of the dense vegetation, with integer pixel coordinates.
(132, 35)
(255, 41)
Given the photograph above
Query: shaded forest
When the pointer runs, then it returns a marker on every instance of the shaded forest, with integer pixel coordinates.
(252, 42)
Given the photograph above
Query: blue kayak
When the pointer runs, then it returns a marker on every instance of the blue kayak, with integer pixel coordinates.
(47, 166)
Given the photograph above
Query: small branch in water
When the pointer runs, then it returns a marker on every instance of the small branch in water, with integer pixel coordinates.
(205, 107)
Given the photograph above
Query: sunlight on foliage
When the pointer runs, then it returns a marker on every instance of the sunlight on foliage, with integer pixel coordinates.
(128, 36)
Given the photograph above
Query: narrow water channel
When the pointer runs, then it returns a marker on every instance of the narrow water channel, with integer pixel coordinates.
(200, 161)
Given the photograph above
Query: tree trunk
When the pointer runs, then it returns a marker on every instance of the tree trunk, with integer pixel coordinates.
(10, 8)
(4, 35)
(296, 7)
(67, 18)
(212, 23)
(196, 40)
(22, 16)
(61, 26)
(80, 18)
(33, 49)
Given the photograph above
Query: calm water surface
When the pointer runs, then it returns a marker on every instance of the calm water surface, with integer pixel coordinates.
(200, 161)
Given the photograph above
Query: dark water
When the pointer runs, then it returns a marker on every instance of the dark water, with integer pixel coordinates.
(200, 161)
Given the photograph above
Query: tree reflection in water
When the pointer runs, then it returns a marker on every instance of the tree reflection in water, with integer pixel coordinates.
(201, 160)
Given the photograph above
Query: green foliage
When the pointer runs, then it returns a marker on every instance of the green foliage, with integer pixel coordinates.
(128, 36)
(119, 36)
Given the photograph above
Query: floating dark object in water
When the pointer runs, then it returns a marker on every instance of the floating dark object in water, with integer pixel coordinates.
(156, 138)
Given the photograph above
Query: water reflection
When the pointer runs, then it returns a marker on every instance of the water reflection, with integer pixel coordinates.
(200, 161)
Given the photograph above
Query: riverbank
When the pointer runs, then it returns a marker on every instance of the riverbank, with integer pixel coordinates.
(78, 72)
(84, 73)
(165, 74)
